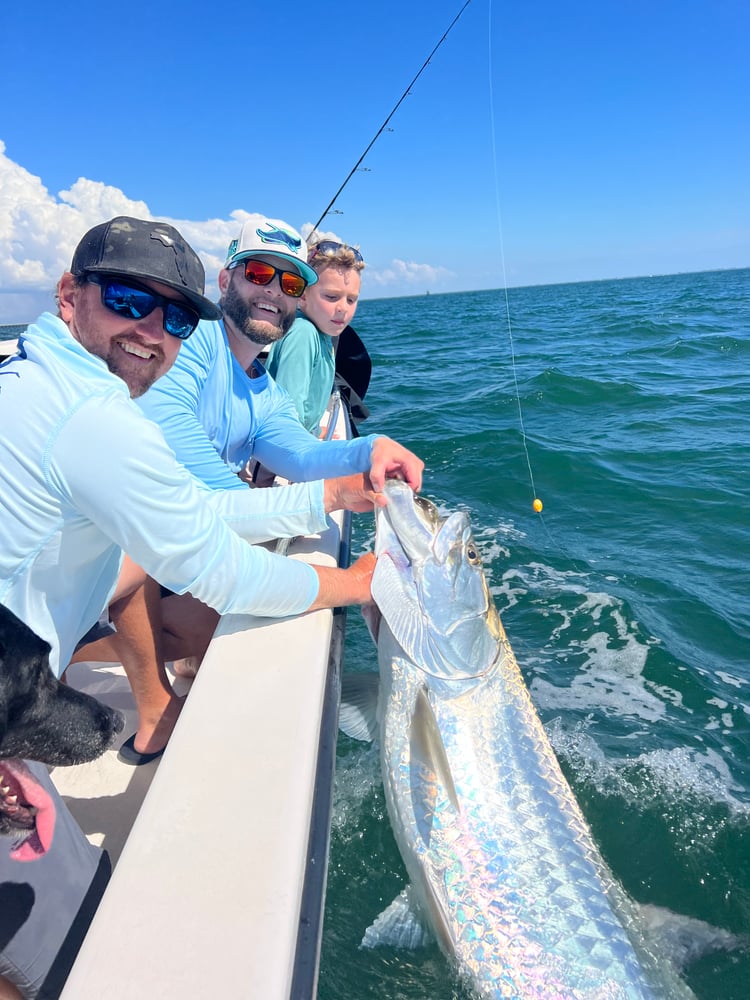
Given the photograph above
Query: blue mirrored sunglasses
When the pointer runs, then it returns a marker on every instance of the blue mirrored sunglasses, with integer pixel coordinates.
(330, 246)
(133, 301)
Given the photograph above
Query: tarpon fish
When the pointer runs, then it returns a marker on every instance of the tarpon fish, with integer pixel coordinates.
(503, 867)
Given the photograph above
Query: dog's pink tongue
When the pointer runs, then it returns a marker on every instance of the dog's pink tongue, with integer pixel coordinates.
(31, 794)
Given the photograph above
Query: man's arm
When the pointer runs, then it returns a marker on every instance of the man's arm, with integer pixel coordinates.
(284, 446)
(340, 587)
(143, 501)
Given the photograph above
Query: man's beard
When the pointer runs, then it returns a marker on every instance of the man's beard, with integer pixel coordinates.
(259, 331)
(138, 378)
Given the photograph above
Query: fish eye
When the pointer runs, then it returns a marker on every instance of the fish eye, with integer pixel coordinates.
(471, 553)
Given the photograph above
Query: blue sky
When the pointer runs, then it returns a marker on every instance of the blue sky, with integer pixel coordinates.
(545, 142)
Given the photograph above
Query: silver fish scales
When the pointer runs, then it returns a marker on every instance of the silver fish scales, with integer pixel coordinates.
(502, 863)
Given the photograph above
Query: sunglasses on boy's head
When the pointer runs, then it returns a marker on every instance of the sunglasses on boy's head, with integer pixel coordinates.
(134, 301)
(260, 273)
(330, 246)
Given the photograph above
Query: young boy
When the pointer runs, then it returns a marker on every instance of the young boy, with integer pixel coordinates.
(303, 362)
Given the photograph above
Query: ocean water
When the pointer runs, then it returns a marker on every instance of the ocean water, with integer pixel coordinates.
(10, 332)
(625, 407)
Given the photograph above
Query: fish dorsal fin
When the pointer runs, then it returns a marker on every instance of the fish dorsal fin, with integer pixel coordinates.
(359, 706)
(427, 748)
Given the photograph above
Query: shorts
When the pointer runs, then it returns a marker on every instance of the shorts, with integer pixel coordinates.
(102, 628)
(46, 905)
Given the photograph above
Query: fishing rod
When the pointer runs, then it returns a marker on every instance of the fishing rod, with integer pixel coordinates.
(395, 108)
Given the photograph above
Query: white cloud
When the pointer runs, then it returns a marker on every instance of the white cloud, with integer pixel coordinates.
(407, 276)
(39, 232)
(321, 234)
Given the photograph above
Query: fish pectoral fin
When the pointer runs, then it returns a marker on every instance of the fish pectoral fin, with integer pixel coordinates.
(358, 712)
(427, 749)
(398, 926)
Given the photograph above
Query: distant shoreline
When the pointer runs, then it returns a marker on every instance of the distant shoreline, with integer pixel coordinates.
(557, 284)
(8, 331)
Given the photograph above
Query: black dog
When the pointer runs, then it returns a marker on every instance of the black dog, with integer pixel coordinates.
(40, 720)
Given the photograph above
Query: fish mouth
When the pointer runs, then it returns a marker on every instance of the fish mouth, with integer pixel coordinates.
(414, 519)
(418, 524)
(27, 813)
(410, 507)
(431, 589)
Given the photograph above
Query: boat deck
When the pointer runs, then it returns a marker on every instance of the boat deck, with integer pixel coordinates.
(218, 888)
(207, 893)
(106, 795)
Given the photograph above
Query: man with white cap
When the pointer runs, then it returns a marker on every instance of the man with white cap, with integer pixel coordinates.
(217, 409)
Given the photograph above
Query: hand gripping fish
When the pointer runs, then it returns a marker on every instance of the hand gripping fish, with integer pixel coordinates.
(503, 866)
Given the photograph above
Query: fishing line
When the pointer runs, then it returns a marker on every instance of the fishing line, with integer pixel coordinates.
(395, 108)
(536, 502)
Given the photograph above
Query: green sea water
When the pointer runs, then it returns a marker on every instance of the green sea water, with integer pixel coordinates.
(624, 406)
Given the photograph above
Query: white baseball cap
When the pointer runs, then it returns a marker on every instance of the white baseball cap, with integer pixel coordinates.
(271, 236)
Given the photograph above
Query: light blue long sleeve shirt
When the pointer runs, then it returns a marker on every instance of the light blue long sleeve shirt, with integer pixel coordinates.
(304, 363)
(216, 418)
(85, 476)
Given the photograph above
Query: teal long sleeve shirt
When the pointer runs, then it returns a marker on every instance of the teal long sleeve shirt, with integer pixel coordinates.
(304, 363)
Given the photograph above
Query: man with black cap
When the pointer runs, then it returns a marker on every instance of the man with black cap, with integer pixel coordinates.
(137, 267)
(86, 477)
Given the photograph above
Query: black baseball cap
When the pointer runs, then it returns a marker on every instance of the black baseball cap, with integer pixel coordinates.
(143, 249)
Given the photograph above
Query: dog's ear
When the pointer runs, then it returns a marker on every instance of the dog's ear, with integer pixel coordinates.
(19, 645)
(3, 714)
(17, 639)
(41, 719)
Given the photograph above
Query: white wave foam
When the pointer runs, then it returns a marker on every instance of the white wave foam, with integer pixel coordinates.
(689, 779)
(357, 777)
(731, 680)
